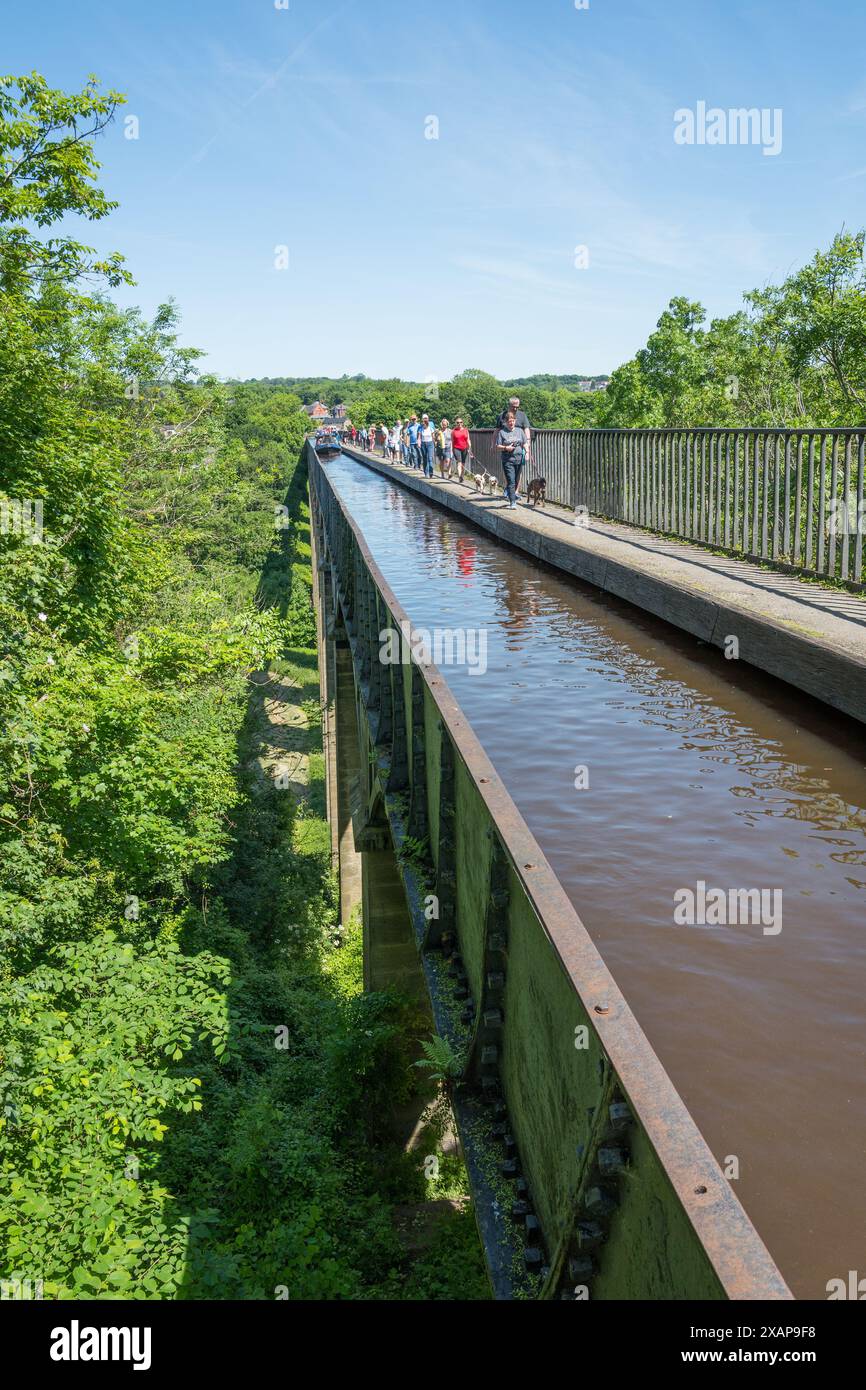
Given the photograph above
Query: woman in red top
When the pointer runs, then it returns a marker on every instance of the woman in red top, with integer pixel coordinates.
(460, 445)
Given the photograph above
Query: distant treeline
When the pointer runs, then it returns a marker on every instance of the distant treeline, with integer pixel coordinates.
(333, 389)
(475, 395)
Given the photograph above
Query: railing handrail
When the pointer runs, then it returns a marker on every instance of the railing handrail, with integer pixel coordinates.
(789, 495)
(579, 430)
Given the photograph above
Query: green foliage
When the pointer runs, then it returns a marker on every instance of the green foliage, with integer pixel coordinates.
(449, 1268)
(415, 850)
(87, 1090)
(48, 170)
(441, 1060)
(551, 402)
(194, 1087)
(794, 356)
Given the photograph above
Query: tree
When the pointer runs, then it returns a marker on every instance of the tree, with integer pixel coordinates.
(48, 171)
(820, 314)
(480, 395)
(387, 405)
(794, 355)
(629, 401)
(672, 363)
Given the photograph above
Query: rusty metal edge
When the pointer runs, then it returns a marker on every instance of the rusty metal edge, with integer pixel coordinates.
(737, 1254)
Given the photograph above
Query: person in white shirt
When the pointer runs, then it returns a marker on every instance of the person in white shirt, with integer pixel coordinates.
(427, 443)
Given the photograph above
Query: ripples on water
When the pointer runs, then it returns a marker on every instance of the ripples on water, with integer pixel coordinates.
(697, 772)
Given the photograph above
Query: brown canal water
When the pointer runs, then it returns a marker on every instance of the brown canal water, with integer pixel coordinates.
(699, 770)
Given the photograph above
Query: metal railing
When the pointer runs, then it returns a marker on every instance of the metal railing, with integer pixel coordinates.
(787, 496)
(552, 457)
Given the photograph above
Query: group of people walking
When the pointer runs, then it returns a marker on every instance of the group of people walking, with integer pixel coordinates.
(419, 443)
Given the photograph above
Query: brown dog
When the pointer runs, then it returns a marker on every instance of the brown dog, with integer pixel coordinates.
(535, 491)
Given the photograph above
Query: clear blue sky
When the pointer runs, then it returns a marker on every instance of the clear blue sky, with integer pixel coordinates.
(415, 257)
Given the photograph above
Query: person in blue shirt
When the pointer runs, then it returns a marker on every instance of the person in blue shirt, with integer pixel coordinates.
(414, 449)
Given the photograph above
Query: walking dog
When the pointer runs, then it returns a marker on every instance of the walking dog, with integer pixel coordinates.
(536, 491)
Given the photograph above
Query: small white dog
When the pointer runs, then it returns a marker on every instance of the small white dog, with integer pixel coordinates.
(486, 482)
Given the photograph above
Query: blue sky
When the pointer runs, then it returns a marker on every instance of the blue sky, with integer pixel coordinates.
(305, 127)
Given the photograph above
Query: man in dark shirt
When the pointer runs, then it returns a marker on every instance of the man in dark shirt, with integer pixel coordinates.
(520, 419)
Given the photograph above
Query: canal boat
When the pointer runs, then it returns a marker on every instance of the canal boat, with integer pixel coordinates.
(327, 443)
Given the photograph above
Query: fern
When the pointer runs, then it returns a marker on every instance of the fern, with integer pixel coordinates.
(441, 1060)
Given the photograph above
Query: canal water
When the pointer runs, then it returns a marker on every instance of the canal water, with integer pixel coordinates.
(699, 771)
